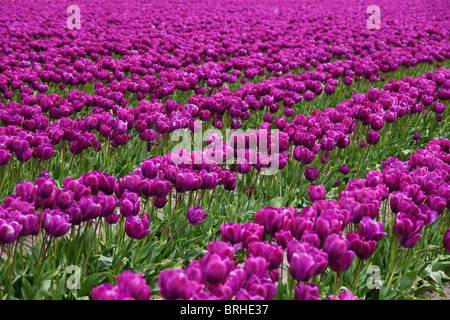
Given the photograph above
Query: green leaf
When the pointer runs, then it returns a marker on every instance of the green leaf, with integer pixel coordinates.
(43, 290)
(194, 253)
(92, 281)
(408, 280)
(276, 202)
(26, 290)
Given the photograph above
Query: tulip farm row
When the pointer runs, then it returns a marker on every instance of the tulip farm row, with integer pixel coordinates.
(247, 150)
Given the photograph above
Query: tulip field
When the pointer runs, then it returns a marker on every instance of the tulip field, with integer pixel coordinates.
(224, 150)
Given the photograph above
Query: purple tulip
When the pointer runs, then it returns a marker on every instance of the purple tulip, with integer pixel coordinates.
(270, 218)
(90, 207)
(344, 169)
(215, 268)
(446, 240)
(303, 155)
(55, 222)
(373, 137)
(224, 249)
(231, 232)
(134, 285)
(63, 199)
(9, 230)
(136, 228)
(107, 291)
(371, 230)
(307, 291)
(335, 247)
(311, 174)
(407, 228)
(195, 215)
(363, 248)
(283, 237)
(344, 263)
(5, 156)
(316, 193)
(129, 204)
(272, 253)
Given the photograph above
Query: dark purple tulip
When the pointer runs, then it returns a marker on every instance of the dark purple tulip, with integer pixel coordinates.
(19, 146)
(251, 232)
(373, 137)
(224, 249)
(436, 203)
(311, 174)
(300, 225)
(446, 240)
(243, 294)
(270, 218)
(91, 179)
(29, 222)
(196, 215)
(76, 215)
(134, 285)
(25, 156)
(231, 232)
(108, 204)
(283, 237)
(272, 253)
(129, 204)
(26, 190)
(45, 188)
(147, 188)
(162, 188)
(307, 291)
(112, 218)
(344, 263)
(261, 286)
(160, 202)
(439, 108)
(256, 265)
(90, 207)
(303, 155)
(311, 238)
(209, 179)
(215, 268)
(55, 222)
(236, 279)
(9, 230)
(363, 248)
(302, 266)
(136, 228)
(63, 199)
(309, 96)
(5, 155)
(407, 228)
(371, 229)
(316, 193)
(172, 283)
(327, 223)
(44, 151)
(344, 169)
(335, 247)
(107, 291)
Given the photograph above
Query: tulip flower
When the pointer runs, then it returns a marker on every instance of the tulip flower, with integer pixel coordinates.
(134, 285)
(195, 215)
(136, 228)
(307, 291)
